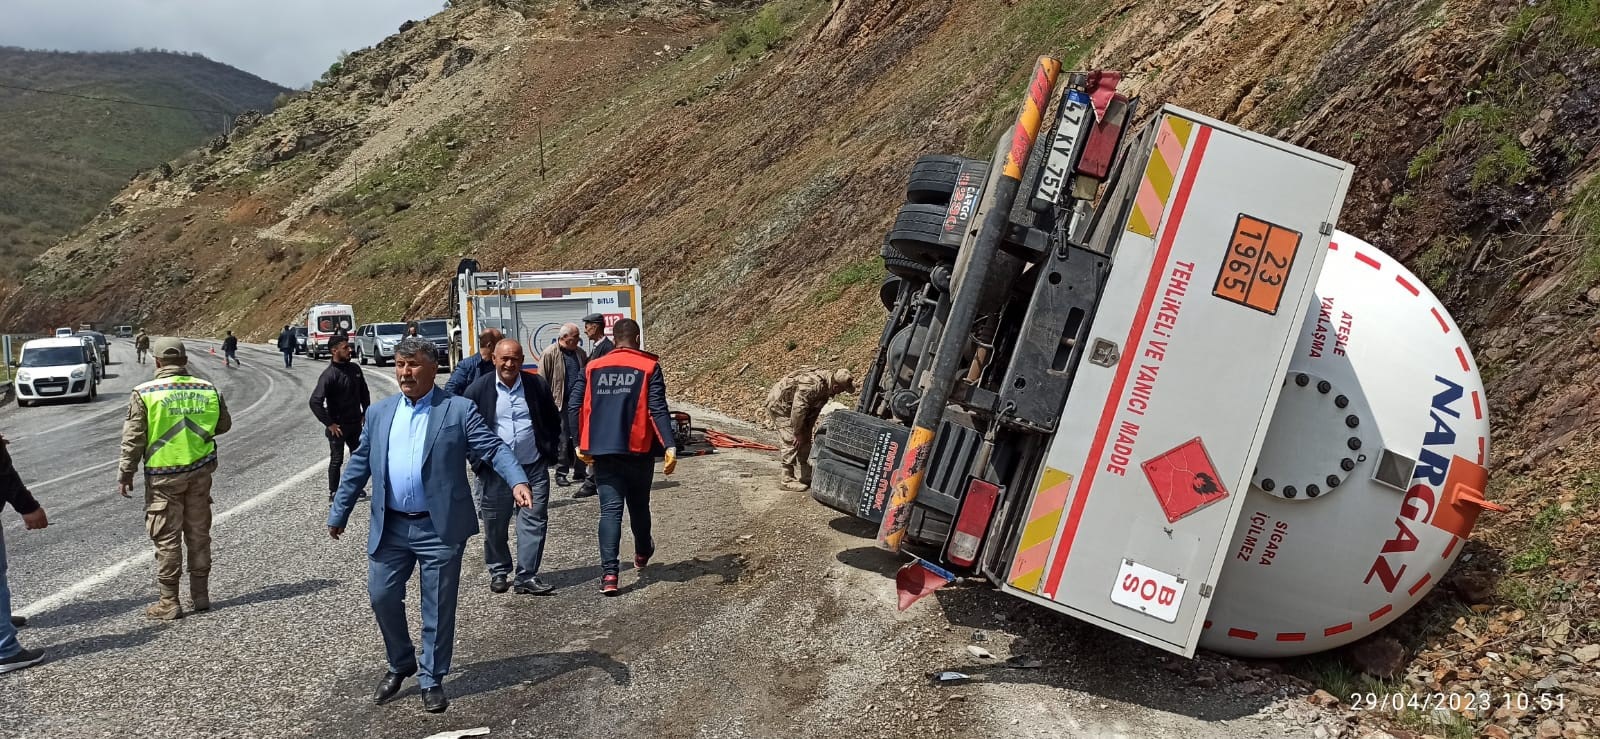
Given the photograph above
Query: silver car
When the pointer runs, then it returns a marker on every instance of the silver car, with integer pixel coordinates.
(375, 342)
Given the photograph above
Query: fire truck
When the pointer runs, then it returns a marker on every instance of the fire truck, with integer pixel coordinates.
(1134, 374)
(531, 307)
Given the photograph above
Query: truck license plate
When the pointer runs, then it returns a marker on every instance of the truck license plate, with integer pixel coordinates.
(1149, 591)
(1063, 149)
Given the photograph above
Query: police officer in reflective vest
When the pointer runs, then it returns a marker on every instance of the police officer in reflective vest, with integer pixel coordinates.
(172, 426)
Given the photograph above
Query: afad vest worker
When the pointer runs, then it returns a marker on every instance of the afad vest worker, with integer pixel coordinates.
(172, 425)
(625, 406)
(624, 426)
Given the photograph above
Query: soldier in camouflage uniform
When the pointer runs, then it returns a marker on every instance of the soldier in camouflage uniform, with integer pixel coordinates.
(141, 345)
(172, 426)
(793, 405)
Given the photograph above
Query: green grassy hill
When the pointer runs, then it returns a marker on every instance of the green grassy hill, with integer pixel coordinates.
(64, 157)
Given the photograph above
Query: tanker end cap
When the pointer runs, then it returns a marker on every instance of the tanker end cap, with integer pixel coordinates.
(1306, 574)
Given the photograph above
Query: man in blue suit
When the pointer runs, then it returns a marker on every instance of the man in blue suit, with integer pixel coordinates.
(415, 452)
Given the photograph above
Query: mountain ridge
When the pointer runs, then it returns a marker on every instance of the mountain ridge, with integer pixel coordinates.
(68, 153)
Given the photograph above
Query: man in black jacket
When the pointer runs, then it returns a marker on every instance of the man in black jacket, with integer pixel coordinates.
(340, 403)
(594, 327)
(12, 492)
(519, 408)
(287, 342)
(230, 350)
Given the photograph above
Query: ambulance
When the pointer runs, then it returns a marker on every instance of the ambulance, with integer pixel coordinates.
(531, 307)
(323, 321)
(1142, 380)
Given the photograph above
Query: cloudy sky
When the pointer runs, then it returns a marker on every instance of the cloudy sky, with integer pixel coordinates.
(290, 42)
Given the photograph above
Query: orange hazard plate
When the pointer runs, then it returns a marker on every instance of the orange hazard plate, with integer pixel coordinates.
(1257, 263)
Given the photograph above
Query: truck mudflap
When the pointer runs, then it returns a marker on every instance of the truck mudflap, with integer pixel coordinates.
(1130, 517)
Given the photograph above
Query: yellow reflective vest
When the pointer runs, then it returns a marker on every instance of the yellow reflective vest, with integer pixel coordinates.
(182, 413)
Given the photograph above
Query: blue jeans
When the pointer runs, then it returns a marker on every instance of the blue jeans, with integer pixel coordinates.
(567, 452)
(624, 478)
(8, 633)
(288, 358)
(496, 507)
(405, 544)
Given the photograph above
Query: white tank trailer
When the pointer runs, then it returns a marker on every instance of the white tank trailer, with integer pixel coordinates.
(1143, 381)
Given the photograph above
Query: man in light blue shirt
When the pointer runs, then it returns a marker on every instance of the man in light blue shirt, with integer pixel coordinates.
(513, 421)
(520, 408)
(407, 437)
(415, 453)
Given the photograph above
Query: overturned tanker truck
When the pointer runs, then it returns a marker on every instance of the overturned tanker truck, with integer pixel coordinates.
(1142, 380)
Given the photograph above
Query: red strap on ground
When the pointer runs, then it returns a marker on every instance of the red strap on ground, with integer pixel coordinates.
(728, 441)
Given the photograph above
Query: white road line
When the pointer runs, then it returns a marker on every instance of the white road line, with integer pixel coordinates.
(71, 592)
(271, 386)
(85, 419)
(106, 411)
(70, 475)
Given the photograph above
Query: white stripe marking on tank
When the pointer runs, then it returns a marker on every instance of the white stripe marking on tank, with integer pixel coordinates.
(67, 594)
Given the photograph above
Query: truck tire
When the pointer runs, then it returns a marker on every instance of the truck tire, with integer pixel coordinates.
(853, 435)
(889, 292)
(933, 178)
(837, 483)
(902, 266)
(916, 234)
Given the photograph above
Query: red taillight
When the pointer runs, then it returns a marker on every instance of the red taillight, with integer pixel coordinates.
(972, 522)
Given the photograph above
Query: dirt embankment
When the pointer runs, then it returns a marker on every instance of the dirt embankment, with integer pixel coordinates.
(748, 163)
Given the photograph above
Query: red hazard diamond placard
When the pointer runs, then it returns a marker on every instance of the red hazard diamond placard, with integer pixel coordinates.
(1184, 479)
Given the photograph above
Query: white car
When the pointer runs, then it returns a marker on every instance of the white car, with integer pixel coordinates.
(56, 368)
(64, 331)
(375, 342)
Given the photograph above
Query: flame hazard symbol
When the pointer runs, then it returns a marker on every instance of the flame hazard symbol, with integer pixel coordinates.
(1184, 479)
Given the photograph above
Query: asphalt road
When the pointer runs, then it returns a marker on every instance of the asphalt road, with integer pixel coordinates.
(763, 614)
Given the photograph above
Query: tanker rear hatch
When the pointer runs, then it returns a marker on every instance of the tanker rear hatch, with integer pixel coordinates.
(1214, 263)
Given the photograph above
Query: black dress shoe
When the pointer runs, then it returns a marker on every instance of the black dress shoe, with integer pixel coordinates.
(19, 621)
(498, 584)
(587, 491)
(389, 687)
(535, 587)
(434, 700)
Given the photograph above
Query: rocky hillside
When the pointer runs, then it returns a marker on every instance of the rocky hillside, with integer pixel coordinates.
(749, 159)
(66, 156)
